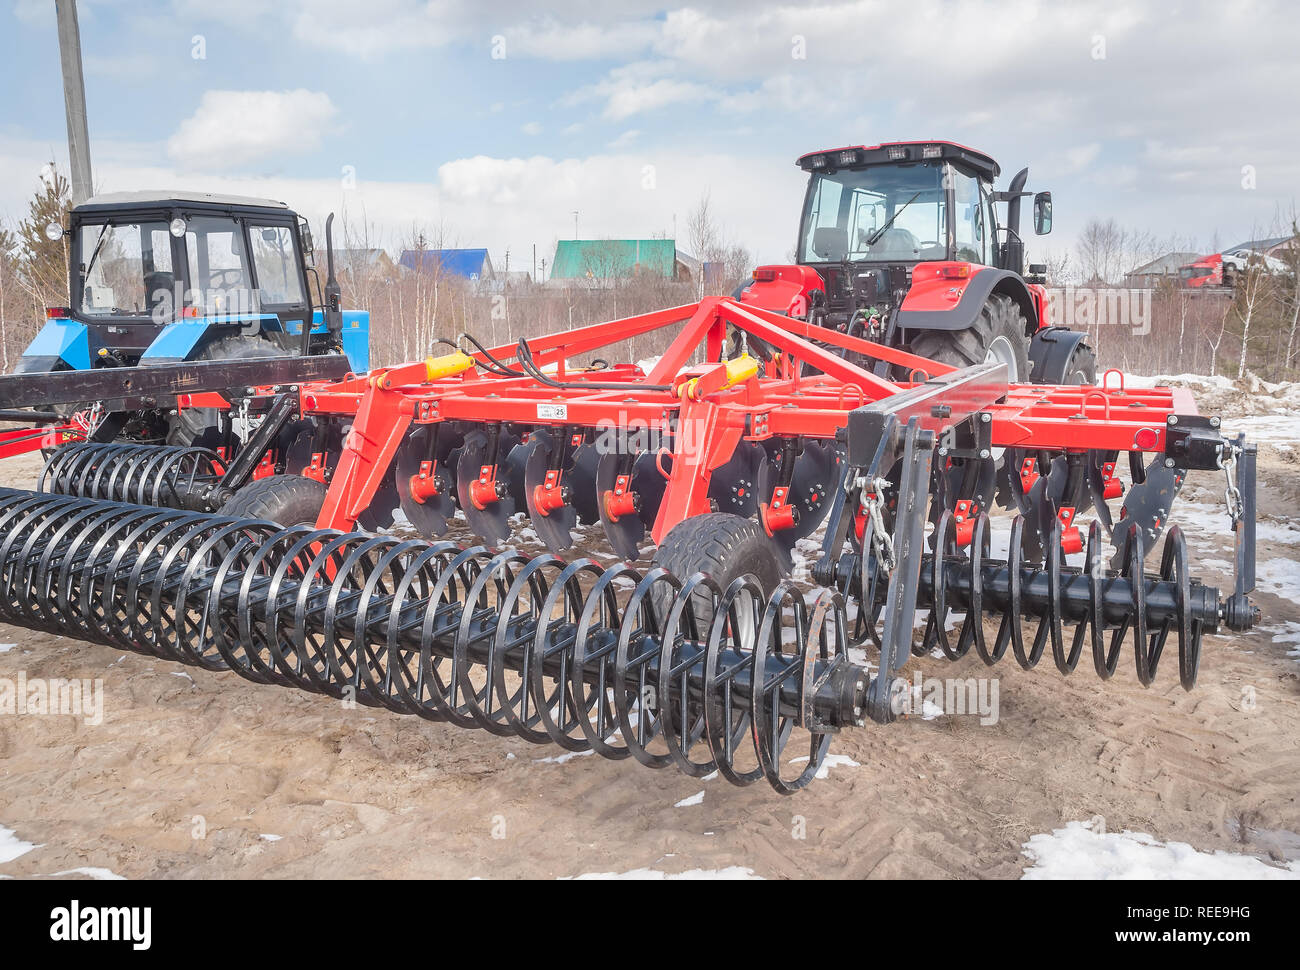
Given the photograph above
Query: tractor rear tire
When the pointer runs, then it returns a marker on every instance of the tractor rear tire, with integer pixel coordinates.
(201, 427)
(286, 500)
(998, 334)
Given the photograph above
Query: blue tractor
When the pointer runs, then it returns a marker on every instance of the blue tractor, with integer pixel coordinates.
(169, 277)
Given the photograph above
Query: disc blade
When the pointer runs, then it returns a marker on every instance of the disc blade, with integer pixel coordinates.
(734, 486)
(553, 526)
(816, 475)
(1148, 504)
(581, 477)
(625, 534)
(378, 515)
(492, 521)
(429, 515)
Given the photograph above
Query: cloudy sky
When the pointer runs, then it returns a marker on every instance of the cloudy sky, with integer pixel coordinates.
(496, 121)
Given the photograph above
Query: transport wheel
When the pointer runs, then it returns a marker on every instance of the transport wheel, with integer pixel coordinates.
(201, 427)
(286, 500)
(998, 335)
(724, 547)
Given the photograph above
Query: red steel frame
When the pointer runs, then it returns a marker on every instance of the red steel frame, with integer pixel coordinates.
(713, 415)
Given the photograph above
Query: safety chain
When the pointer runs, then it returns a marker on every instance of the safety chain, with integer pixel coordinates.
(881, 541)
(1232, 494)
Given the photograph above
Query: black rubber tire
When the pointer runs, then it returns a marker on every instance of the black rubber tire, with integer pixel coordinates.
(200, 427)
(286, 500)
(724, 546)
(1000, 317)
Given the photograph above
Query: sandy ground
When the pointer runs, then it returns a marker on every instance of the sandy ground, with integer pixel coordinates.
(203, 774)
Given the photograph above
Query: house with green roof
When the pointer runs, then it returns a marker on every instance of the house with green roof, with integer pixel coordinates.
(615, 259)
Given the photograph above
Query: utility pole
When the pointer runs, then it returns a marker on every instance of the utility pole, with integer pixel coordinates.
(74, 99)
(575, 223)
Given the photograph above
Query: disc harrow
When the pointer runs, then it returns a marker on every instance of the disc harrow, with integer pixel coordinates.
(706, 668)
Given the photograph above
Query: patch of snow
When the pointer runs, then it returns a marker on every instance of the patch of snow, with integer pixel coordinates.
(731, 872)
(560, 759)
(696, 799)
(1218, 381)
(829, 762)
(11, 847)
(6, 647)
(92, 872)
(268, 837)
(1281, 577)
(1288, 632)
(1077, 852)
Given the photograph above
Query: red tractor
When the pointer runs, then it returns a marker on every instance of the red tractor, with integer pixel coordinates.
(901, 244)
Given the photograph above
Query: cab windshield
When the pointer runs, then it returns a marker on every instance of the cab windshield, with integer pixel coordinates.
(888, 213)
(126, 268)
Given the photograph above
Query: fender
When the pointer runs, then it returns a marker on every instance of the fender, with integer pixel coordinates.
(183, 339)
(1050, 351)
(950, 296)
(61, 339)
(782, 289)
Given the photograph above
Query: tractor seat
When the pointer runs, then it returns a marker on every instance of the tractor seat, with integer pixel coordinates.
(899, 241)
(158, 289)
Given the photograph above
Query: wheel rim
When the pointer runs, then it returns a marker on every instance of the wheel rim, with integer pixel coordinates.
(1001, 352)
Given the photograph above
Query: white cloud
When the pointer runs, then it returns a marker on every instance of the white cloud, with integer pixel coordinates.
(624, 140)
(556, 41)
(531, 128)
(640, 87)
(381, 26)
(231, 129)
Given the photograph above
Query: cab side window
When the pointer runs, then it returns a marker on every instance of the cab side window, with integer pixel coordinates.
(970, 219)
(276, 266)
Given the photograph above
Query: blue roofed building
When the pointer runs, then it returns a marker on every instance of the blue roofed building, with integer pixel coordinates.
(470, 264)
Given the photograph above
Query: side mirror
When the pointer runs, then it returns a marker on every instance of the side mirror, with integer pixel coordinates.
(1043, 213)
(304, 236)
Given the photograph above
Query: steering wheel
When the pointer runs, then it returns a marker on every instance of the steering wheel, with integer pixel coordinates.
(224, 278)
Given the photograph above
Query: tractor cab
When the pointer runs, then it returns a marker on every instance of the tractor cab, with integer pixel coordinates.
(161, 276)
(871, 214)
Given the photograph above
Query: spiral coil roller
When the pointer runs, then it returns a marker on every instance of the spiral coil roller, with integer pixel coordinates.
(141, 474)
(1098, 600)
(616, 661)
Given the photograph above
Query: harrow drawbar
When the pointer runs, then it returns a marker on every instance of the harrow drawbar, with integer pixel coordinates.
(664, 669)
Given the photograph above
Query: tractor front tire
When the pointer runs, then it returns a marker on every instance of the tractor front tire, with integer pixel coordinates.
(201, 427)
(286, 500)
(998, 334)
